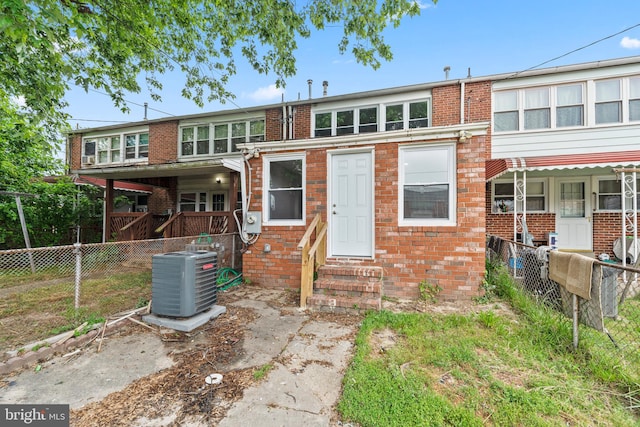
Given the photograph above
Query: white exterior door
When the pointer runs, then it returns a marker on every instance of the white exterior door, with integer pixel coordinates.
(351, 204)
(573, 214)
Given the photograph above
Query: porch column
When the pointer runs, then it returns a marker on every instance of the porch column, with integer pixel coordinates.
(108, 210)
(233, 199)
(520, 206)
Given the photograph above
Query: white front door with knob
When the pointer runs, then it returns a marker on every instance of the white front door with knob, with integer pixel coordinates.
(351, 203)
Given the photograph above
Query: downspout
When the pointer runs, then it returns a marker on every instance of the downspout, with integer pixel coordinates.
(284, 120)
(461, 103)
(290, 121)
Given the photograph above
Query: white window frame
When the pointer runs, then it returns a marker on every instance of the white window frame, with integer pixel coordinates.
(197, 202)
(613, 100)
(380, 114)
(266, 200)
(404, 156)
(552, 106)
(598, 194)
(245, 124)
(495, 209)
(137, 153)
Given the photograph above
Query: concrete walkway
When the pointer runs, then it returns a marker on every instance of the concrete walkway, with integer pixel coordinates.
(307, 354)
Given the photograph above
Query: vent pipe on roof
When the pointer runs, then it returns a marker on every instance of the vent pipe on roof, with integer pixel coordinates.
(469, 72)
(446, 72)
(309, 82)
(325, 85)
(146, 105)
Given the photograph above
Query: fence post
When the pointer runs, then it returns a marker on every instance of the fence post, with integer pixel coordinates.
(574, 299)
(78, 252)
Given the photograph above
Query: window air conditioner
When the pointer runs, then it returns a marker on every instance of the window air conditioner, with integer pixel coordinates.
(88, 160)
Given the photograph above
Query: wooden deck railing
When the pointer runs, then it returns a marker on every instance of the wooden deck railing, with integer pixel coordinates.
(314, 255)
(196, 223)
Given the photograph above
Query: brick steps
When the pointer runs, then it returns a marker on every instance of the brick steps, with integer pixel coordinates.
(347, 288)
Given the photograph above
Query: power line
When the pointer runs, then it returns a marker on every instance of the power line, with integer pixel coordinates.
(134, 103)
(575, 50)
(102, 121)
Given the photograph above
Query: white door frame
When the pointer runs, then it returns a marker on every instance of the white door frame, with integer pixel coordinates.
(331, 155)
(569, 242)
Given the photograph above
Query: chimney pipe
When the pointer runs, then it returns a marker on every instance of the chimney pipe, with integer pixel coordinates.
(309, 82)
(446, 72)
(325, 85)
(146, 105)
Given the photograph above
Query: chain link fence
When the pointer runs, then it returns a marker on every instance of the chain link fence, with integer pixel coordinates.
(49, 289)
(612, 305)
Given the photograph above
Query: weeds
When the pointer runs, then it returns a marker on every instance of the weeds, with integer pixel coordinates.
(428, 291)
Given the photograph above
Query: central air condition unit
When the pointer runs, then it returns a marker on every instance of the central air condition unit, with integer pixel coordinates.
(88, 160)
(183, 283)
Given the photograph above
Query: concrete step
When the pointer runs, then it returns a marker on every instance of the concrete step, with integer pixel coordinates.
(347, 287)
(343, 303)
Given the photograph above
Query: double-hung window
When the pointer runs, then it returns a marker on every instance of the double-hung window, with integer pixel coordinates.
(368, 120)
(503, 196)
(394, 117)
(608, 102)
(283, 200)
(537, 111)
(418, 114)
(610, 195)
(323, 124)
(192, 202)
(505, 116)
(136, 146)
(109, 150)
(634, 99)
(427, 185)
(569, 106)
(220, 138)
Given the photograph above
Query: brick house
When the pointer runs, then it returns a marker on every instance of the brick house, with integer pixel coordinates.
(398, 176)
(566, 140)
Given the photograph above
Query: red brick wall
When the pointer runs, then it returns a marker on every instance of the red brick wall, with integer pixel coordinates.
(163, 142)
(607, 227)
(76, 151)
(273, 124)
(451, 257)
(446, 105)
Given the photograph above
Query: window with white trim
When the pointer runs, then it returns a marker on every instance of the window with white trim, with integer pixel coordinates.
(610, 194)
(537, 111)
(125, 147)
(634, 99)
(192, 202)
(373, 118)
(539, 108)
(427, 185)
(505, 116)
(569, 106)
(109, 150)
(219, 138)
(502, 196)
(284, 195)
(136, 146)
(608, 102)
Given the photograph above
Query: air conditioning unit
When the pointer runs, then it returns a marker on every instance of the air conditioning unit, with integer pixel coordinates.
(183, 283)
(88, 160)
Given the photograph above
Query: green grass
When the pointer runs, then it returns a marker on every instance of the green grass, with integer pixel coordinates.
(262, 371)
(486, 368)
(44, 311)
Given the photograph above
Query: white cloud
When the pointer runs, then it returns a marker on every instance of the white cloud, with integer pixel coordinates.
(423, 5)
(629, 43)
(265, 93)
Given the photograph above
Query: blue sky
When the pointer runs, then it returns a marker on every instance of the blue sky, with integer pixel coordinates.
(487, 37)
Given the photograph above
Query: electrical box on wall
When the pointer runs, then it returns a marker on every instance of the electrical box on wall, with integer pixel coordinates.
(254, 222)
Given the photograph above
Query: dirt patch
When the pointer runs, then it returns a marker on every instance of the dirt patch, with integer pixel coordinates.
(181, 393)
(381, 341)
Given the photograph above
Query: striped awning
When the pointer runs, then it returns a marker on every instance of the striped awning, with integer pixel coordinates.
(494, 168)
